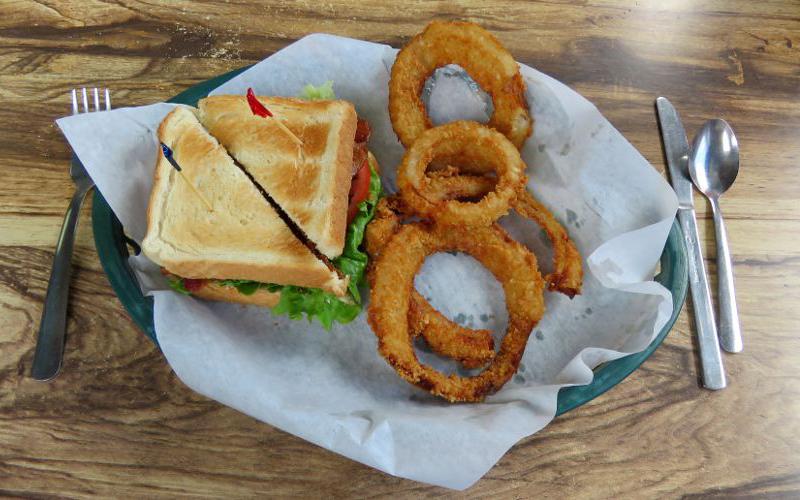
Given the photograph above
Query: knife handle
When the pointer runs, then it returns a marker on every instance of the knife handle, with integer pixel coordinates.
(710, 356)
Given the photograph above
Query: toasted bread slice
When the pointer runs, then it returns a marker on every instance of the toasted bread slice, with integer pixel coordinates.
(242, 238)
(312, 188)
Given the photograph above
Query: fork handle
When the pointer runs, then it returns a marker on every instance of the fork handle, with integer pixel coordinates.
(50, 345)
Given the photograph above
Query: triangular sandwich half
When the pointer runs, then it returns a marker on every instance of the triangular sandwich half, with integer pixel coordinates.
(310, 187)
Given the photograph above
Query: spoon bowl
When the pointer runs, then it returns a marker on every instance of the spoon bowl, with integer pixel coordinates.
(715, 158)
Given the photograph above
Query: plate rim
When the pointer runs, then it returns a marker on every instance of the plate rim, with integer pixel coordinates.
(112, 251)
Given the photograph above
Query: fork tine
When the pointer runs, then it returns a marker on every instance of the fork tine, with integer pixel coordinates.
(75, 109)
(108, 100)
(96, 99)
(85, 100)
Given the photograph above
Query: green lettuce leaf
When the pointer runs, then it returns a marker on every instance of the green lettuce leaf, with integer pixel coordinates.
(353, 261)
(317, 93)
(177, 285)
(315, 303)
(249, 287)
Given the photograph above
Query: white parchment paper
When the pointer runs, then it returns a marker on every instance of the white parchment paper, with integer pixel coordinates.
(332, 388)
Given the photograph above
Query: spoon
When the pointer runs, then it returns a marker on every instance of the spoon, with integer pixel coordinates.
(713, 166)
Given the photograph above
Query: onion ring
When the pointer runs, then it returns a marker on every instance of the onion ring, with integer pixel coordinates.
(477, 143)
(481, 55)
(449, 185)
(471, 348)
(383, 225)
(567, 274)
(510, 262)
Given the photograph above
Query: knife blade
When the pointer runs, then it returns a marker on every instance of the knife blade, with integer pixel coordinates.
(676, 150)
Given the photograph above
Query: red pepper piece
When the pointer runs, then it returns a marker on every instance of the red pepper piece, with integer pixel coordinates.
(255, 105)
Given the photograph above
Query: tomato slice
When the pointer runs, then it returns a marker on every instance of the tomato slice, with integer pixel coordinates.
(359, 155)
(193, 285)
(359, 190)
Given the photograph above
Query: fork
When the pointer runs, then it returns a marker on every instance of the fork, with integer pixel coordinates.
(52, 329)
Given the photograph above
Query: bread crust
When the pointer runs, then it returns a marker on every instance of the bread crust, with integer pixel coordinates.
(332, 241)
(215, 291)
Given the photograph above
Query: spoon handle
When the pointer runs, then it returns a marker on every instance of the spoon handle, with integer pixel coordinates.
(730, 334)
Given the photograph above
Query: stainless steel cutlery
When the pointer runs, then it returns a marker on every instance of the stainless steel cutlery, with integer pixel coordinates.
(52, 329)
(712, 163)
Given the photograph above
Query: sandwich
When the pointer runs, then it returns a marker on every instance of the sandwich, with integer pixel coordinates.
(247, 211)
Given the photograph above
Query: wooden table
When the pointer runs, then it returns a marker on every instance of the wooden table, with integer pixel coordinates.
(117, 422)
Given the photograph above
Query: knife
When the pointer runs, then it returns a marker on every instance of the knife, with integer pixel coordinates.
(676, 149)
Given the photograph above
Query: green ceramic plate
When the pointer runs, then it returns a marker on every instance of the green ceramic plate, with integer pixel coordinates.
(112, 248)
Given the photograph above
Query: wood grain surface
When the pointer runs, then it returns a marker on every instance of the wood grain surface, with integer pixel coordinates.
(117, 422)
